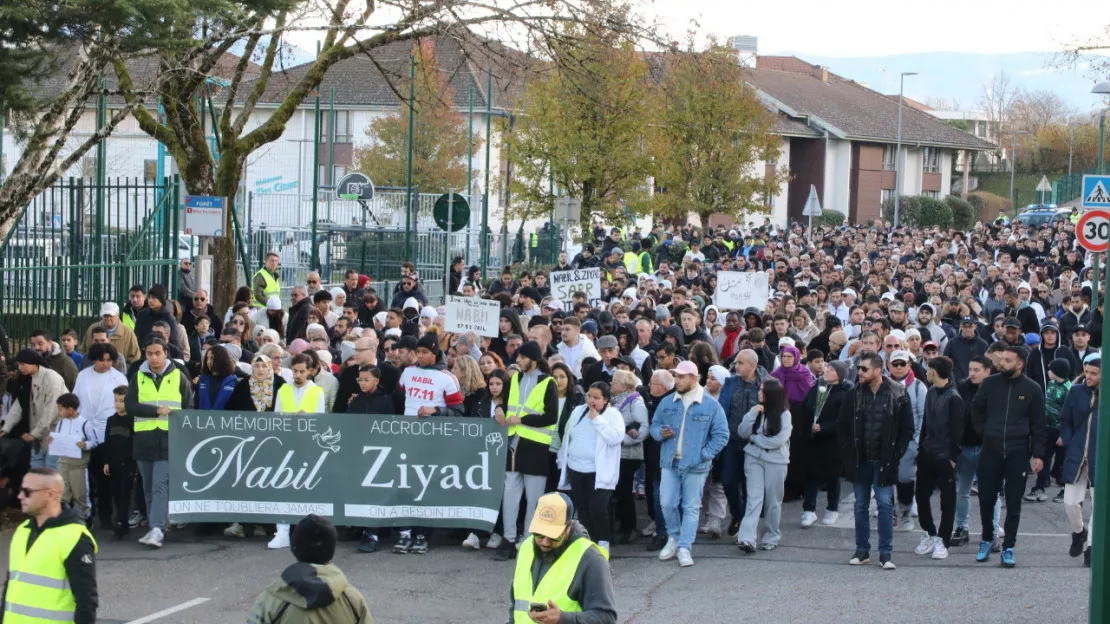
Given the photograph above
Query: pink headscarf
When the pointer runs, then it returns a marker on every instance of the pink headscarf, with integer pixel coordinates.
(797, 380)
(298, 346)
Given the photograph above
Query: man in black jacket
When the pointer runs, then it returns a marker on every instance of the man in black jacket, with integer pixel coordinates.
(1036, 367)
(965, 346)
(297, 323)
(874, 430)
(942, 428)
(1008, 411)
(41, 499)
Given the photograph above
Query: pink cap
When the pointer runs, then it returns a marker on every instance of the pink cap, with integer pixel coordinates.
(686, 368)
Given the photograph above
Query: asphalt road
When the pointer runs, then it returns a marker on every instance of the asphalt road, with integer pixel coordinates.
(215, 580)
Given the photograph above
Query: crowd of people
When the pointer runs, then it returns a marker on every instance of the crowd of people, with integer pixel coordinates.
(901, 361)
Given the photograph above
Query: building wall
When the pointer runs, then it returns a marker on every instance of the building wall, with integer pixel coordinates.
(868, 179)
(807, 166)
(911, 170)
(946, 172)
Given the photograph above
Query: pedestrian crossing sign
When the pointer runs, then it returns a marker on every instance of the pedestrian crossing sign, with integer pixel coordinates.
(1096, 191)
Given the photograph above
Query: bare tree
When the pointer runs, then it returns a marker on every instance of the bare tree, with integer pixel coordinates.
(1033, 111)
(998, 97)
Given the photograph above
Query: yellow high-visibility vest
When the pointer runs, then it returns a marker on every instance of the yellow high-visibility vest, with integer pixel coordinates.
(168, 394)
(38, 589)
(532, 405)
(290, 405)
(273, 288)
(632, 262)
(555, 583)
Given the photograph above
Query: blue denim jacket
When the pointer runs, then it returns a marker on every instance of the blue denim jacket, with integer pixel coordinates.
(706, 432)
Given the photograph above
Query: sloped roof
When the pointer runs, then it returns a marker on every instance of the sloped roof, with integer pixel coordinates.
(849, 109)
(369, 78)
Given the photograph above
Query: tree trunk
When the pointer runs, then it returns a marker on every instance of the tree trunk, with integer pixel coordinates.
(704, 215)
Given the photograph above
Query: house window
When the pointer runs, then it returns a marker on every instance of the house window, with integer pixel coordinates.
(338, 171)
(886, 194)
(889, 152)
(150, 170)
(930, 160)
(342, 126)
(933, 194)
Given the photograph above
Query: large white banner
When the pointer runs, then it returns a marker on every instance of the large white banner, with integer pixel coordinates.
(471, 314)
(739, 291)
(565, 283)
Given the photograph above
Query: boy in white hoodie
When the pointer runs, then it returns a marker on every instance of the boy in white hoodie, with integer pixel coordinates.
(72, 469)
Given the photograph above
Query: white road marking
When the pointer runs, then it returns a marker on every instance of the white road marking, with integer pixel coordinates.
(170, 611)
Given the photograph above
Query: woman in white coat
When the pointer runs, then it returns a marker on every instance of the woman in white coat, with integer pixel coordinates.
(589, 460)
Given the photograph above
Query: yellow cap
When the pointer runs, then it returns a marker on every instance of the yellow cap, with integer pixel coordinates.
(553, 513)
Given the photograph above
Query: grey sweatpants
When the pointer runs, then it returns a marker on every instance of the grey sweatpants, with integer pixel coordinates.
(766, 482)
(517, 485)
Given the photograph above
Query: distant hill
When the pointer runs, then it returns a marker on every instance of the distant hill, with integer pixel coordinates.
(962, 75)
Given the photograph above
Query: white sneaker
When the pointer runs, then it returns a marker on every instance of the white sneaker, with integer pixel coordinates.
(913, 508)
(649, 530)
(939, 551)
(494, 541)
(155, 538)
(670, 549)
(235, 530)
(830, 518)
(927, 545)
(145, 540)
(703, 529)
(472, 542)
(281, 538)
(808, 519)
(904, 524)
(714, 528)
(684, 558)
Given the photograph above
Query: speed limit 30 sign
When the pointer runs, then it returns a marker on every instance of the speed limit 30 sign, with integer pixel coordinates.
(1093, 230)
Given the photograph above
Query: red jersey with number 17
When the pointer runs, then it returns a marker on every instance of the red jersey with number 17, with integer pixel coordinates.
(429, 387)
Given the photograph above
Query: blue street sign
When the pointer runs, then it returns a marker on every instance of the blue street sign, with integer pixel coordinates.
(1096, 191)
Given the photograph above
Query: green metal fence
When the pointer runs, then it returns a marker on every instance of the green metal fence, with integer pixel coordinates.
(1069, 187)
(79, 244)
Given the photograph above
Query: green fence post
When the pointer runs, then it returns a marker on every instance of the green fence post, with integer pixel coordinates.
(408, 175)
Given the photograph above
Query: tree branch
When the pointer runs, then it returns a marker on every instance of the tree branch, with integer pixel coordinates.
(259, 85)
(236, 81)
(147, 122)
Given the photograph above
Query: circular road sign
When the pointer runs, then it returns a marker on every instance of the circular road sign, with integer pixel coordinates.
(1093, 230)
(460, 211)
(355, 186)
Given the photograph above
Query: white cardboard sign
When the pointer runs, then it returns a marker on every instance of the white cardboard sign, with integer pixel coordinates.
(565, 283)
(471, 314)
(739, 291)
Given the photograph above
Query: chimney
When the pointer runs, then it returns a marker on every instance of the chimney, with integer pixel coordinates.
(746, 49)
(820, 73)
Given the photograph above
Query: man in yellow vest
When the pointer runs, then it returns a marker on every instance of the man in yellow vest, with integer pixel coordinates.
(158, 388)
(52, 560)
(136, 302)
(302, 396)
(265, 282)
(559, 570)
(531, 414)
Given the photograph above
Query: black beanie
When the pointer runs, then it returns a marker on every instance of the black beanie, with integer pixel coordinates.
(531, 350)
(1061, 368)
(30, 356)
(429, 342)
(313, 540)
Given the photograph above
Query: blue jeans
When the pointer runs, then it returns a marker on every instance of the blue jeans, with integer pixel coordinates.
(156, 488)
(966, 467)
(657, 511)
(680, 493)
(39, 459)
(867, 478)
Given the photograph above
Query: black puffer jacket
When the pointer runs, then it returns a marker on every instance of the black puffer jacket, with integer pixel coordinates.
(942, 427)
(892, 432)
(1009, 413)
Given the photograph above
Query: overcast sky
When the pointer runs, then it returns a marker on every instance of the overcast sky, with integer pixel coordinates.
(884, 27)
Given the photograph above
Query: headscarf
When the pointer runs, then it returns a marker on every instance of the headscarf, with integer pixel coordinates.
(797, 380)
(262, 392)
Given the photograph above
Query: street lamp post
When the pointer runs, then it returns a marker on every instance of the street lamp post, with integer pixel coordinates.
(1100, 584)
(1013, 164)
(898, 149)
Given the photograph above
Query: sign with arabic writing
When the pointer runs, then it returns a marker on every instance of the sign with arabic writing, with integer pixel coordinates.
(357, 469)
(740, 291)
